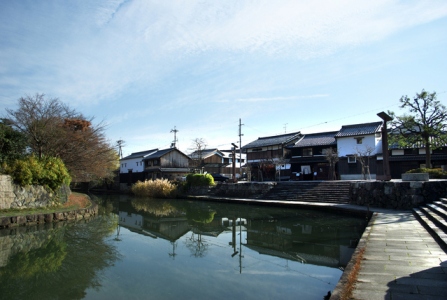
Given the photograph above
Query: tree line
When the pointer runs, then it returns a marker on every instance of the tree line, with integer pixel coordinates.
(46, 127)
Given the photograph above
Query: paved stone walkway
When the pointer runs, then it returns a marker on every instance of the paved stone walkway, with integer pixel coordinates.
(401, 260)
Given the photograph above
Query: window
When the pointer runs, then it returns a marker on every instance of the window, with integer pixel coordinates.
(352, 159)
(256, 149)
(359, 140)
(307, 151)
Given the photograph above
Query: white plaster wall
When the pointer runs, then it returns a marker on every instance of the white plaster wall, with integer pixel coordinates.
(131, 163)
(348, 145)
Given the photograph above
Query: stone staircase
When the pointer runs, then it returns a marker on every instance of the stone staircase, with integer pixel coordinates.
(433, 217)
(310, 191)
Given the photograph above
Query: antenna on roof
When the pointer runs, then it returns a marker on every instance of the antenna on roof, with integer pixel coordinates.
(175, 137)
(285, 127)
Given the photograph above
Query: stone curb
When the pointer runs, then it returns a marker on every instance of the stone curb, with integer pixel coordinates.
(337, 293)
(33, 219)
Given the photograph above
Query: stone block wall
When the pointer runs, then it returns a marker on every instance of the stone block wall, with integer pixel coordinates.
(6, 192)
(239, 190)
(15, 196)
(397, 194)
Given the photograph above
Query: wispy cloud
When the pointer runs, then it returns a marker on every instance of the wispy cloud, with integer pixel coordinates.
(106, 47)
(270, 99)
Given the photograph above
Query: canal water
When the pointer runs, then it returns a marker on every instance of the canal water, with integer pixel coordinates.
(178, 249)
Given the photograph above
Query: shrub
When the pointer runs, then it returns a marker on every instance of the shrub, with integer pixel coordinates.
(159, 188)
(436, 173)
(49, 172)
(199, 180)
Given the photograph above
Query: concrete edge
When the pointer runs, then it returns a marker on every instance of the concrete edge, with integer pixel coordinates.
(341, 285)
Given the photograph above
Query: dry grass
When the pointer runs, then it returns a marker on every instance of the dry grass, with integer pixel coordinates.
(76, 200)
(159, 188)
(352, 277)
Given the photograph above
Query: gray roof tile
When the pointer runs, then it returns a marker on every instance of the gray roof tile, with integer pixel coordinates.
(359, 129)
(317, 139)
(139, 154)
(273, 140)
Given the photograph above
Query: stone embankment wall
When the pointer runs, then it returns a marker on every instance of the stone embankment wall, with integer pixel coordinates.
(33, 219)
(381, 194)
(15, 196)
(397, 194)
(239, 190)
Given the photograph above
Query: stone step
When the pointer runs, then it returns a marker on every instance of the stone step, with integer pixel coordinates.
(312, 191)
(438, 234)
(432, 212)
(438, 208)
(442, 203)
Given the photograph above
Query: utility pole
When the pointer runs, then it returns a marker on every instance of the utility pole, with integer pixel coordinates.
(120, 144)
(240, 145)
(175, 137)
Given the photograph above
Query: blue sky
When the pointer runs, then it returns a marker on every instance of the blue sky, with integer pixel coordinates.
(144, 66)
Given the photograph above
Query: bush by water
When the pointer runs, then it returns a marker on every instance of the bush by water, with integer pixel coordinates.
(159, 188)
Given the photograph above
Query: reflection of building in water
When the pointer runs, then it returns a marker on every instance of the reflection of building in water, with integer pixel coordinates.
(317, 244)
(130, 220)
(169, 228)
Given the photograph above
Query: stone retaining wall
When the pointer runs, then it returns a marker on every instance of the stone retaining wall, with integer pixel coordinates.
(239, 190)
(33, 219)
(382, 194)
(16, 196)
(397, 194)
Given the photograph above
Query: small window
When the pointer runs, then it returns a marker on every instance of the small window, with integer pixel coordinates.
(359, 140)
(307, 152)
(352, 159)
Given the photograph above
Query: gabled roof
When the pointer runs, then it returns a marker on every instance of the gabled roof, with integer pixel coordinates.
(140, 154)
(359, 129)
(206, 153)
(273, 140)
(317, 139)
(163, 152)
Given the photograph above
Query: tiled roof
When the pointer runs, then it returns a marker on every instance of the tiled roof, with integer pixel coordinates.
(317, 139)
(273, 140)
(160, 153)
(140, 154)
(359, 129)
(206, 153)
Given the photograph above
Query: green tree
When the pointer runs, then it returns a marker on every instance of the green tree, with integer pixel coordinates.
(424, 125)
(12, 142)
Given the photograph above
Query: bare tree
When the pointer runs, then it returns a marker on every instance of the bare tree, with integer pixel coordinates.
(363, 156)
(198, 145)
(332, 157)
(425, 125)
(54, 129)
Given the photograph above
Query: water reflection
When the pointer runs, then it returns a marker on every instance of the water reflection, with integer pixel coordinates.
(304, 236)
(203, 249)
(55, 261)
